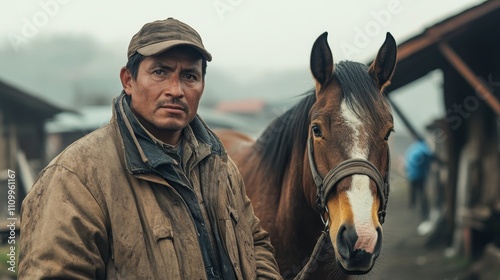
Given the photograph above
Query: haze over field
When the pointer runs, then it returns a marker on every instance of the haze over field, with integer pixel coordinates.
(70, 52)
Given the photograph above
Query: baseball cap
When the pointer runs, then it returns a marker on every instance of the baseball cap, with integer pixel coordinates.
(160, 35)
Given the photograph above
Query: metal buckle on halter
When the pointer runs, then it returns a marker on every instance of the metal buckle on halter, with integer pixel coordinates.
(327, 222)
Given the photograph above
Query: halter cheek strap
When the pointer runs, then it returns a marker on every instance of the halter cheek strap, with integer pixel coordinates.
(347, 168)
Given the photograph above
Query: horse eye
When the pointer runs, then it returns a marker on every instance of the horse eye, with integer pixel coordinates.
(316, 131)
(388, 134)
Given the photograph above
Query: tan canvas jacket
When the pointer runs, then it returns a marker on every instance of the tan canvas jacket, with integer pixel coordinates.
(93, 214)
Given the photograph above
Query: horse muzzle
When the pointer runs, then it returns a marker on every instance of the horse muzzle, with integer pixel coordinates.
(357, 251)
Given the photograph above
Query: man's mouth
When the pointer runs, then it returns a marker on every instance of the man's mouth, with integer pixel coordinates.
(173, 108)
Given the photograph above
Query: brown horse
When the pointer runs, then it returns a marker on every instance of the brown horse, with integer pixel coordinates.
(338, 132)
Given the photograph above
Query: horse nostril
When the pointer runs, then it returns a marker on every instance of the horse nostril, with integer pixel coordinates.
(342, 247)
(346, 238)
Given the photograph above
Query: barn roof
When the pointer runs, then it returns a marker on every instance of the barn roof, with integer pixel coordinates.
(20, 102)
(474, 29)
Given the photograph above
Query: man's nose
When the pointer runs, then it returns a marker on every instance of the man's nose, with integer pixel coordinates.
(174, 87)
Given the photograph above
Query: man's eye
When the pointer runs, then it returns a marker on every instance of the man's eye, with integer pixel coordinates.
(159, 72)
(190, 77)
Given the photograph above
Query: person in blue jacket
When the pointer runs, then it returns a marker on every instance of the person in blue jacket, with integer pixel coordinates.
(418, 159)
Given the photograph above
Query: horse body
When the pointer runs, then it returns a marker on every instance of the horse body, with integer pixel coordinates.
(345, 117)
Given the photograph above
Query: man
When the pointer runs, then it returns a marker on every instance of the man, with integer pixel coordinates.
(153, 194)
(417, 163)
(422, 163)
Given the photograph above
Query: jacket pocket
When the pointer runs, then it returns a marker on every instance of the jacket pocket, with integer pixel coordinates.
(161, 232)
(166, 257)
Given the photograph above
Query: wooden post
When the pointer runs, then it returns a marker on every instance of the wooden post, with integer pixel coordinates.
(405, 120)
(477, 84)
(12, 145)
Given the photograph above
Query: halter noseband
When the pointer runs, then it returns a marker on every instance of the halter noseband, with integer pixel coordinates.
(347, 168)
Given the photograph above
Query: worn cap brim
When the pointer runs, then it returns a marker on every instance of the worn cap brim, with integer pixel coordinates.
(160, 47)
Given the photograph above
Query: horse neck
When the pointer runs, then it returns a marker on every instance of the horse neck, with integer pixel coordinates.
(296, 189)
(290, 187)
(296, 222)
(308, 223)
(285, 142)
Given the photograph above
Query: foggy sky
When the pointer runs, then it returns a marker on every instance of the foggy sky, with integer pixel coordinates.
(240, 34)
(255, 43)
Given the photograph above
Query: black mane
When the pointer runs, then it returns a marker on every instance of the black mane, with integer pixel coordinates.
(276, 143)
(360, 91)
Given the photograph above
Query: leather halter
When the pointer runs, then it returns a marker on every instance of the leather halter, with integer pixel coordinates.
(347, 168)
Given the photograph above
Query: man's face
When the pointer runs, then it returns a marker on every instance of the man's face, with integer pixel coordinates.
(167, 91)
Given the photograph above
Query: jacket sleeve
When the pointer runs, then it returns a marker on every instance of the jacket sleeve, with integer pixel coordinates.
(267, 267)
(63, 229)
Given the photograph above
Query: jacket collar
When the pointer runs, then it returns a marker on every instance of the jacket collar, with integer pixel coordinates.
(144, 153)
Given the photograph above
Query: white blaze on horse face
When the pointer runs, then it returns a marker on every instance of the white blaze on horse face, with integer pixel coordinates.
(359, 193)
(356, 125)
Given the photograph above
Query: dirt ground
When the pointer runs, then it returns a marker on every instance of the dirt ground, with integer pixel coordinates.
(404, 254)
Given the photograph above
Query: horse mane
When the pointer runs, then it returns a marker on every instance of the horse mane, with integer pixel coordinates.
(277, 142)
(290, 130)
(361, 94)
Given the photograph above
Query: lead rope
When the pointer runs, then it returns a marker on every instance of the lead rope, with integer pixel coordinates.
(311, 264)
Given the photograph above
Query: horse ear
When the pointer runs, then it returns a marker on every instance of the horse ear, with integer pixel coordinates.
(383, 67)
(321, 61)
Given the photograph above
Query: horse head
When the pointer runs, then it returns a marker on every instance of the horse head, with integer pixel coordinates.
(348, 152)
